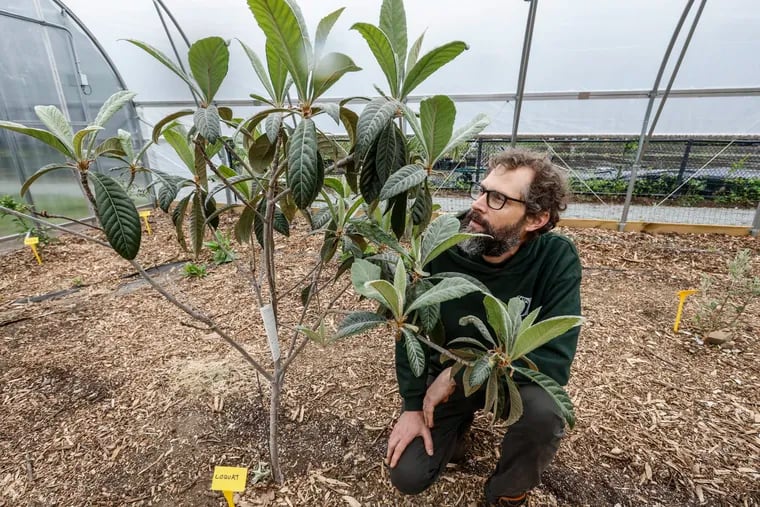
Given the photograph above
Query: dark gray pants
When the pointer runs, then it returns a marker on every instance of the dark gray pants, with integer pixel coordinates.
(528, 446)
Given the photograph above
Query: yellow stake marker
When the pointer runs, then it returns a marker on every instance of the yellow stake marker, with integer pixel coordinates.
(229, 480)
(31, 242)
(682, 295)
(145, 214)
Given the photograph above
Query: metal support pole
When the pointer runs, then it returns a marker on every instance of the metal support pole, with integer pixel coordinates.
(650, 104)
(665, 96)
(523, 68)
(756, 222)
(156, 4)
(479, 163)
(684, 162)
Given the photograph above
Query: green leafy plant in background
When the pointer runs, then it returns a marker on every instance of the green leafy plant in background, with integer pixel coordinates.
(193, 270)
(115, 210)
(720, 306)
(21, 225)
(221, 247)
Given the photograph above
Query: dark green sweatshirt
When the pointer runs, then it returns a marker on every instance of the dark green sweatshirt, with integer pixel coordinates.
(545, 271)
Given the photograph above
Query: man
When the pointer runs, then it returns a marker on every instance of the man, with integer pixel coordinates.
(516, 204)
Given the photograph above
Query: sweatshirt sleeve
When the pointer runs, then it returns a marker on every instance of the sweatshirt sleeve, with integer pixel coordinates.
(561, 296)
(412, 389)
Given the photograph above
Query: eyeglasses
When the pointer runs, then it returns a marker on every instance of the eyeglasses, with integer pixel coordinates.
(495, 200)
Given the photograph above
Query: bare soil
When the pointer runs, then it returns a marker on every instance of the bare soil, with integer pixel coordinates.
(109, 395)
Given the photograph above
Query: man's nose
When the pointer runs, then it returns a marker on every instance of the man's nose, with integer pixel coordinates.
(480, 204)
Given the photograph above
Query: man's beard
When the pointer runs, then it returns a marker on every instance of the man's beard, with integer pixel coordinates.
(502, 240)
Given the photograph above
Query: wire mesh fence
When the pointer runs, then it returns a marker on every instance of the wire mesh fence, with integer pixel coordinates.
(712, 181)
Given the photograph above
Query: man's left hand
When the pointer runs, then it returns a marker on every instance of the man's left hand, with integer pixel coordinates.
(438, 392)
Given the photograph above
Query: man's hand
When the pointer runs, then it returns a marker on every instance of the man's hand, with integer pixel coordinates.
(409, 426)
(438, 392)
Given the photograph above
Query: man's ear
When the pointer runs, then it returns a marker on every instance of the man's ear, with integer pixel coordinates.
(537, 221)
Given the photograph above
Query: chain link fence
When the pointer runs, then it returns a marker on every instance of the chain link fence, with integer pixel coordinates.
(711, 181)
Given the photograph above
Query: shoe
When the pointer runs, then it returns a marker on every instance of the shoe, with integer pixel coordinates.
(511, 501)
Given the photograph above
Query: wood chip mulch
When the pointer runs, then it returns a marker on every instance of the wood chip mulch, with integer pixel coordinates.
(111, 396)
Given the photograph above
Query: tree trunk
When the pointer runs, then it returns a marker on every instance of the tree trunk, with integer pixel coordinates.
(274, 412)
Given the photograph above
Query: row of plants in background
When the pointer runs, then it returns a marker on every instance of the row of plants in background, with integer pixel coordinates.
(743, 192)
(361, 203)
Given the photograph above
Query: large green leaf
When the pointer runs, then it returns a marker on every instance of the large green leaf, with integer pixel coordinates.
(272, 126)
(261, 154)
(328, 70)
(446, 289)
(278, 20)
(372, 120)
(41, 172)
(178, 219)
(393, 24)
(386, 294)
(110, 147)
(402, 180)
(80, 136)
(481, 370)
(390, 154)
(259, 69)
(158, 127)
(197, 222)
(400, 278)
(170, 186)
(515, 402)
(305, 174)
(362, 272)
(278, 73)
(280, 222)
(429, 315)
(437, 115)
(480, 326)
(492, 393)
(369, 178)
(118, 215)
(323, 30)
(469, 131)
(414, 52)
(178, 141)
(499, 319)
(125, 139)
(454, 274)
(431, 62)
(422, 210)
(158, 55)
(56, 123)
(556, 392)
(209, 59)
(381, 47)
(538, 334)
(243, 225)
(41, 135)
(441, 234)
(112, 105)
(528, 321)
(207, 122)
(414, 352)
(397, 207)
(358, 322)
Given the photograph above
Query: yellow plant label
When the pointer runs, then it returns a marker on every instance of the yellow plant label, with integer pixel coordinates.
(32, 240)
(145, 213)
(229, 479)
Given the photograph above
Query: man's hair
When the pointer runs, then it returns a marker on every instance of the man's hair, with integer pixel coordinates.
(547, 192)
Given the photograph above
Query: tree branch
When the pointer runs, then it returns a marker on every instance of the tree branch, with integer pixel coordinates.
(197, 316)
